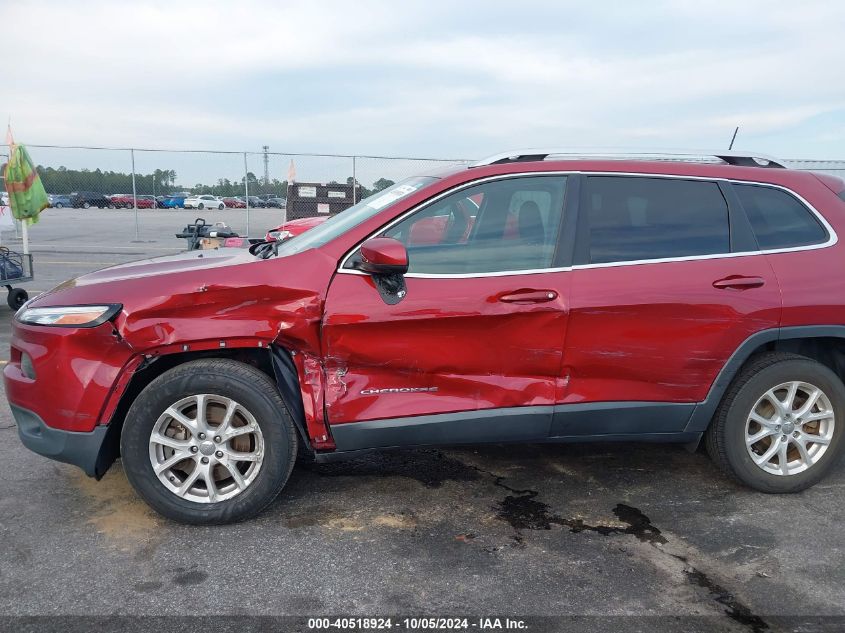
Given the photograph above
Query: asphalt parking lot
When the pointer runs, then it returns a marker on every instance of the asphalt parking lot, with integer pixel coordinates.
(539, 530)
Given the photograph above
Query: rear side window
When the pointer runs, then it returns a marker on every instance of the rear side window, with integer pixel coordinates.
(779, 219)
(633, 218)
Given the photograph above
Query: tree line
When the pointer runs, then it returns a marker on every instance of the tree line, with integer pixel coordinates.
(160, 182)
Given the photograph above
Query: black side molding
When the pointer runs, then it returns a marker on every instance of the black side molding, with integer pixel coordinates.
(516, 424)
(591, 422)
(620, 419)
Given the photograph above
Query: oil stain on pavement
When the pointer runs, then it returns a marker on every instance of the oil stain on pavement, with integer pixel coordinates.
(523, 511)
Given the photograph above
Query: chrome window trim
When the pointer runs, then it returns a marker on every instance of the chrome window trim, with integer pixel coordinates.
(833, 238)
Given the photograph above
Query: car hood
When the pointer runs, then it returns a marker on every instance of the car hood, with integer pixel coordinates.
(209, 299)
(166, 272)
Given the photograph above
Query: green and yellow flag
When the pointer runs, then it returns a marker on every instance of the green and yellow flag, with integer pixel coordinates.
(26, 192)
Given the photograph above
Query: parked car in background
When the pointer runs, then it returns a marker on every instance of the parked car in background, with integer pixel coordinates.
(147, 202)
(60, 200)
(87, 199)
(276, 203)
(255, 202)
(121, 200)
(234, 203)
(126, 201)
(204, 201)
(292, 228)
(172, 202)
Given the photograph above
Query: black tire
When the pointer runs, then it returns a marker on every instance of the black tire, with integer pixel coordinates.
(240, 382)
(58, 205)
(200, 206)
(128, 205)
(220, 206)
(86, 205)
(17, 297)
(725, 438)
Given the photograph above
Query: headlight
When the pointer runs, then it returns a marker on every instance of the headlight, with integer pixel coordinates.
(69, 316)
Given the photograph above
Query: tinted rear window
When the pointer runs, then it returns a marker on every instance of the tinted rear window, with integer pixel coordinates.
(633, 218)
(778, 218)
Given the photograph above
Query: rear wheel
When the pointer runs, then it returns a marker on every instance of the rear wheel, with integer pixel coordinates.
(780, 426)
(220, 206)
(58, 205)
(128, 205)
(209, 442)
(200, 206)
(86, 205)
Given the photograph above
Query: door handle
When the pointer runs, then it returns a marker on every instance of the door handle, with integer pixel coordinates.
(528, 295)
(738, 282)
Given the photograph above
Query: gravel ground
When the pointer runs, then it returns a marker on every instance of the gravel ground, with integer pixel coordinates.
(611, 531)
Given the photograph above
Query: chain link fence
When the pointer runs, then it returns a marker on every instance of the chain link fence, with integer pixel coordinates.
(142, 181)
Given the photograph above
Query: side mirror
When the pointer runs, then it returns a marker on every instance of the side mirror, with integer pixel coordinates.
(383, 256)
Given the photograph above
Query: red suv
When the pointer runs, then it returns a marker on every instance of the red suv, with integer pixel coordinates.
(558, 300)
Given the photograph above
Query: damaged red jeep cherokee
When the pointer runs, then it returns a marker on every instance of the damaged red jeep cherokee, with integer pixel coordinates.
(530, 297)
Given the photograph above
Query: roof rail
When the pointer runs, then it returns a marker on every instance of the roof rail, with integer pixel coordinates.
(731, 157)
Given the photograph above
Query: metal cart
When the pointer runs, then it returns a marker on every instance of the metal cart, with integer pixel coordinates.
(202, 236)
(15, 268)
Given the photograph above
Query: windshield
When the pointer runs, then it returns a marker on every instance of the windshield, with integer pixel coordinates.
(353, 216)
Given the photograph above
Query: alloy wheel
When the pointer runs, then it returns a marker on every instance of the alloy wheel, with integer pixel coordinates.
(789, 428)
(206, 448)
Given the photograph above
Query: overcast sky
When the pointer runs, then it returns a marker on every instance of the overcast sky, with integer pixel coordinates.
(440, 79)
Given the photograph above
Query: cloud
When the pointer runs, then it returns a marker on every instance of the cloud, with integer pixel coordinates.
(422, 78)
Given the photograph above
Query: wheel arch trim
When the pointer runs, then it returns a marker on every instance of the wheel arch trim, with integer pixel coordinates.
(282, 372)
(704, 411)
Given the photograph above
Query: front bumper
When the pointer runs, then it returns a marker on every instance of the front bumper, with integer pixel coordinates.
(75, 371)
(90, 451)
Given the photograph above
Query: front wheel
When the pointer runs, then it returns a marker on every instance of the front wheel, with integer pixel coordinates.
(209, 442)
(58, 205)
(86, 205)
(220, 207)
(779, 427)
(200, 206)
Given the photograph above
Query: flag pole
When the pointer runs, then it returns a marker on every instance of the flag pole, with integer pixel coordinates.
(10, 141)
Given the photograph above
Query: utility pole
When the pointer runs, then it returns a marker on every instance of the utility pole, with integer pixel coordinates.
(246, 192)
(135, 197)
(266, 148)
